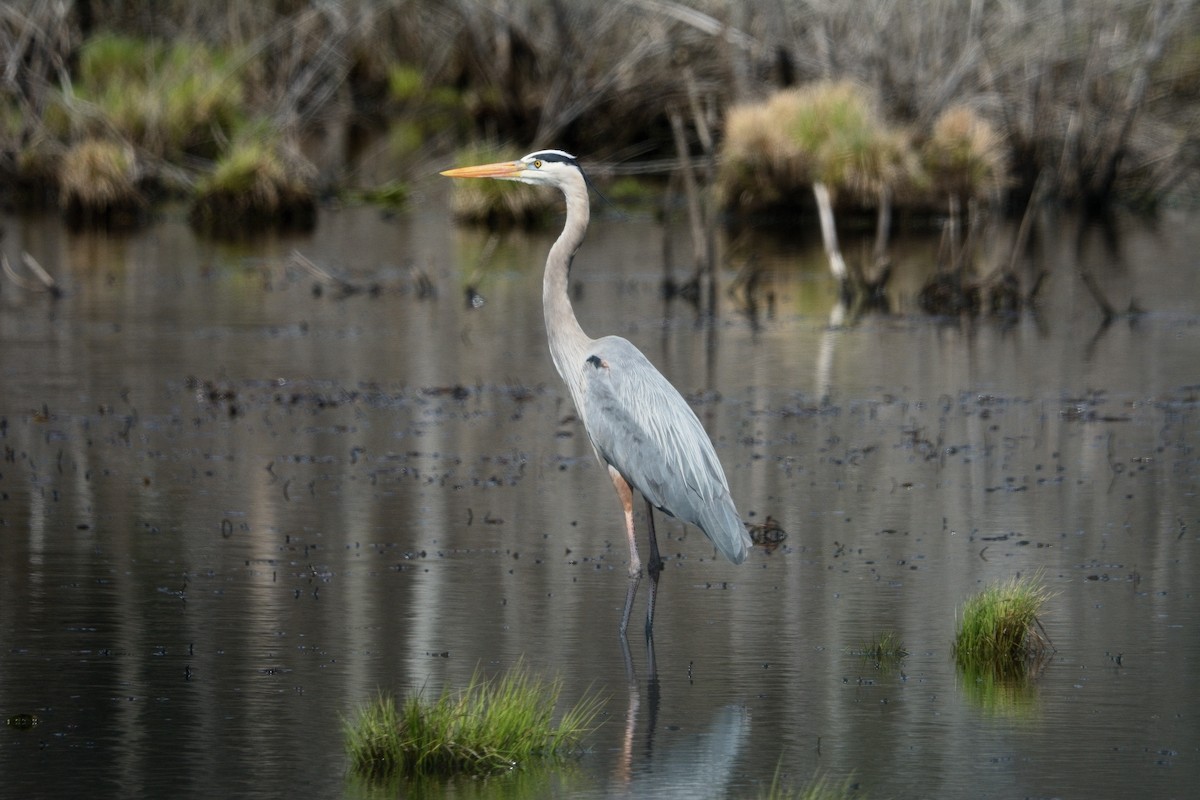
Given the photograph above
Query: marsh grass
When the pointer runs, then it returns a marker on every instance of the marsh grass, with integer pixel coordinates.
(99, 184)
(999, 630)
(487, 727)
(1099, 98)
(964, 154)
(885, 649)
(393, 194)
(169, 100)
(828, 131)
(819, 788)
(259, 182)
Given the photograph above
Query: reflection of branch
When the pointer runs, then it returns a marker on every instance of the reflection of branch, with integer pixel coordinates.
(691, 192)
(1094, 289)
(825, 350)
(1035, 198)
(474, 298)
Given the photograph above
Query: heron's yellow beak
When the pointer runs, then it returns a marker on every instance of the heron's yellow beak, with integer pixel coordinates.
(501, 169)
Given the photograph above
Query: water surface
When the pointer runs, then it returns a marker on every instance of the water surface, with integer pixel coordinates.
(234, 506)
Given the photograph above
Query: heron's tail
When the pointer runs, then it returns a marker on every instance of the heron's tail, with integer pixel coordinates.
(720, 522)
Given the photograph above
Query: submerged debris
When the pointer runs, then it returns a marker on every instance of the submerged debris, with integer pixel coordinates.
(768, 533)
(421, 284)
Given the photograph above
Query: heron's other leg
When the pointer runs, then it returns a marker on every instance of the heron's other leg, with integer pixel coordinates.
(655, 567)
(656, 563)
(625, 493)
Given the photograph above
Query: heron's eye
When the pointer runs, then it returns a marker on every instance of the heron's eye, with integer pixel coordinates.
(537, 164)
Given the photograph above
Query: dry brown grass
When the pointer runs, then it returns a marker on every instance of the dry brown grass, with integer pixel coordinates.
(965, 154)
(98, 184)
(828, 131)
(1100, 97)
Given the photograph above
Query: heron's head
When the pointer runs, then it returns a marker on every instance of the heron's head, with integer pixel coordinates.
(540, 167)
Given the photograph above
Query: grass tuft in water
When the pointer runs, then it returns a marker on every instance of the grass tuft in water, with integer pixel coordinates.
(999, 629)
(965, 154)
(885, 648)
(827, 131)
(260, 182)
(99, 184)
(490, 726)
(819, 788)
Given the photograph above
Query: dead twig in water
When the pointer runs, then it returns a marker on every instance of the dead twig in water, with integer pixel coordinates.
(320, 274)
(326, 278)
(45, 283)
(17, 279)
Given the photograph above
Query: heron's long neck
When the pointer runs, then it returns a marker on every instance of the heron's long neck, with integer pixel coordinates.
(568, 342)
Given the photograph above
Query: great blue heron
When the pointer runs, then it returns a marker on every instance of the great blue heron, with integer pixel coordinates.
(639, 425)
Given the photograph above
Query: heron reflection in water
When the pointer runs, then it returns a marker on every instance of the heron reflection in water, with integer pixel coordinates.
(640, 426)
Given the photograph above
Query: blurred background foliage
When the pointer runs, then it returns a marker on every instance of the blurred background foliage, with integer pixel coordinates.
(1092, 103)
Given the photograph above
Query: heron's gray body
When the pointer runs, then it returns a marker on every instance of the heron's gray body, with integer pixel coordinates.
(641, 426)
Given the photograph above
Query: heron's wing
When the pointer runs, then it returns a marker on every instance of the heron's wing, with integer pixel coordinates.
(641, 425)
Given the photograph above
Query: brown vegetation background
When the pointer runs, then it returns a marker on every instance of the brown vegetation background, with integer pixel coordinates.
(1097, 100)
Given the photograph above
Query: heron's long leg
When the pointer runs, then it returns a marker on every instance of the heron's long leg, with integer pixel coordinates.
(655, 567)
(625, 493)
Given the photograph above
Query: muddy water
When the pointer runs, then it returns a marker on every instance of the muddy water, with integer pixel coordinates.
(233, 507)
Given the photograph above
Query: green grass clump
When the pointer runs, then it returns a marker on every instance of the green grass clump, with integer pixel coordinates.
(169, 100)
(490, 726)
(259, 182)
(392, 194)
(405, 82)
(114, 58)
(999, 629)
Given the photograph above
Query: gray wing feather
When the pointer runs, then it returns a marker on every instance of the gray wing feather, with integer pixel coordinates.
(641, 425)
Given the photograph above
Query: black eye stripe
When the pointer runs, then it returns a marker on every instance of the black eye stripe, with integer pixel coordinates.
(551, 156)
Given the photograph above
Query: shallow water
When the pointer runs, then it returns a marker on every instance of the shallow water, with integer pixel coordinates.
(233, 508)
